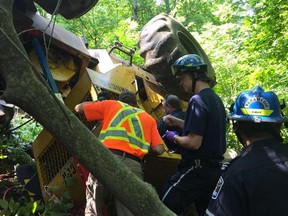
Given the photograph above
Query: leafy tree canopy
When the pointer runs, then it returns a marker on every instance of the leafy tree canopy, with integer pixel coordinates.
(246, 41)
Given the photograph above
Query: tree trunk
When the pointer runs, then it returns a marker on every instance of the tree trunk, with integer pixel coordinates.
(167, 6)
(26, 91)
(135, 10)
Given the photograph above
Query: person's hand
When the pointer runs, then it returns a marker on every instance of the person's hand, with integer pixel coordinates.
(170, 120)
(170, 135)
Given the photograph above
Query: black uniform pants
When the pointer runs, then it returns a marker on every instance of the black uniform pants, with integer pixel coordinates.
(194, 183)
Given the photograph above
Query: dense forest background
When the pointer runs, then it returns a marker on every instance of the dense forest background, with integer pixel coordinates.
(246, 40)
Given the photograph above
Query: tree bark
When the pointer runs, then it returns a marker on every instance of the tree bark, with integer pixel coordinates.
(135, 10)
(167, 6)
(26, 91)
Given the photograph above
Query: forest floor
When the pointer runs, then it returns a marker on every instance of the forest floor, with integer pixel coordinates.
(9, 186)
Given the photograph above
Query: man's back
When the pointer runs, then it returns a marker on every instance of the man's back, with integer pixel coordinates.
(129, 133)
(256, 181)
(124, 127)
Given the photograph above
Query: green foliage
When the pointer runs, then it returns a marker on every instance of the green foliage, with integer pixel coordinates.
(15, 143)
(60, 208)
(246, 41)
(28, 207)
(28, 132)
(11, 208)
(195, 14)
(13, 150)
(268, 28)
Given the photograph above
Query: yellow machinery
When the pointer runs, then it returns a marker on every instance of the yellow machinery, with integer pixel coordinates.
(77, 74)
(56, 167)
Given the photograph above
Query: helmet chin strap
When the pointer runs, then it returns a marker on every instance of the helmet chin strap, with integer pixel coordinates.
(236, 131)
(194, 79)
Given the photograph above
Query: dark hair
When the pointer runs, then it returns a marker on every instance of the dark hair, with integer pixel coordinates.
(103, 95)
(173, 101)
(252, 129)
(128, 97)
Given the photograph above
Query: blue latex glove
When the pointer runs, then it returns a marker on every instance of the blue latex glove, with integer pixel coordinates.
(170, 135)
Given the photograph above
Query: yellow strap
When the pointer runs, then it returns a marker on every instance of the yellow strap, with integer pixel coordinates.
(260, 112)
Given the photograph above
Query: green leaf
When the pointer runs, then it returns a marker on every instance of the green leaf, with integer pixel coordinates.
(13, 206)
(4, 203)
(69, 181)
(3, 156)
(35, 205)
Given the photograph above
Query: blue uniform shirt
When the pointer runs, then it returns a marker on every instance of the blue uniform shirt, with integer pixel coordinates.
(206, 117)
(255, 183)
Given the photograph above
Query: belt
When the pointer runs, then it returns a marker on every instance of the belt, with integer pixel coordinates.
(125, 154)
(201, 162)
(207, 162)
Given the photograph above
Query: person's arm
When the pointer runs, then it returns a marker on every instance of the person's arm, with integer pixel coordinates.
(190, 141)
(156, 142)
(92, 110)
(173, 121)
(79, 108)
(157, 150)
(161, 126)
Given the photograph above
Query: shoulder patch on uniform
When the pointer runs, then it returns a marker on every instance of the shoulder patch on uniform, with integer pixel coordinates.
(218, 188)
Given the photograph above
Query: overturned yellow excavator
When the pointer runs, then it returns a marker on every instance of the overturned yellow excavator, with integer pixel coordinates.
(76, 73)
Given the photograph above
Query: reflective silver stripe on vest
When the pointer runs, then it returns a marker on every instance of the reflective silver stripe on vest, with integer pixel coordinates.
(135, 121)
(123, 135)
(116, 132)
(125, 115)
(209, 213)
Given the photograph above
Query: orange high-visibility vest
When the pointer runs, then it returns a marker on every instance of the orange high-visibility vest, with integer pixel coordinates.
(125, 128)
